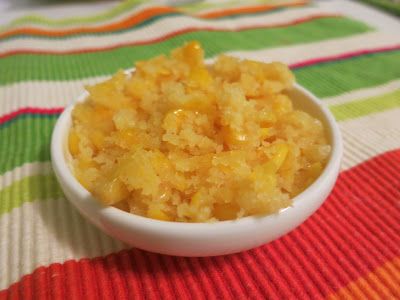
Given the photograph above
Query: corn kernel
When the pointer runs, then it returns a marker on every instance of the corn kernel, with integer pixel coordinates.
(234, 138)
(197, 199)
(281, 151)
(123, 205)
(314, 170)
(158, 214)
(226, 211)
(97, 138)
(264, 178)
(193, 53)
(73, 143)
(111, 192)
(264, 133)
(200, 77)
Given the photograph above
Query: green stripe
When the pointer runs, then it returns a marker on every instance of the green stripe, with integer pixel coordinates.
(391, 6)
(202, 5)
(121, 8)
(114, 12)
(144, 23)
(43, 187)
(364, 107)
(23, 67)
(337, 77)
(25, 139)
(29, 189)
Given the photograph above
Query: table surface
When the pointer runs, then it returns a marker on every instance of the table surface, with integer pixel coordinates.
(346, 53)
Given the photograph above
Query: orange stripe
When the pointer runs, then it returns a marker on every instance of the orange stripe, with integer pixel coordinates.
(381, 283)
(136, 19)
(125, 23)
(247, 9)
(163, 37)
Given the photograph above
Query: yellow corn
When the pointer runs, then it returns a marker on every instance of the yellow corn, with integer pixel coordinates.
(264, 133)
(264, 177)
(314, 170)
(193, 53)
(73, 143)
(97, 138)
(280, 155)
(156, 213)
(196, 199)
(112, 192)
(226, 211)
(200, 76)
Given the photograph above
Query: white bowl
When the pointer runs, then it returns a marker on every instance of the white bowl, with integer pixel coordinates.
(200, 239)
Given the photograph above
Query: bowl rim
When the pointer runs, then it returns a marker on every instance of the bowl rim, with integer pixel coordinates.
(65, 177)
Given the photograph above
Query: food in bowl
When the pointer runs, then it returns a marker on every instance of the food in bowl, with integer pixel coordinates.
(179, 140)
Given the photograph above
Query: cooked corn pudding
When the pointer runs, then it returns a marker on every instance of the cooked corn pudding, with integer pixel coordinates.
(178, 140)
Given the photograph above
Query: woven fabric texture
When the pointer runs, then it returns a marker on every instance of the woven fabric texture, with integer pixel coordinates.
(349, 249)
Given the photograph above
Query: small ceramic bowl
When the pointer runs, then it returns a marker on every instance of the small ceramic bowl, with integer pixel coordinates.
(199, 239)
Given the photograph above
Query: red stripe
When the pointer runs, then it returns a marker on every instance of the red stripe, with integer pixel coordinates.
(215, 273)
(133, 283)
(161, 277)
(236, 286)
(307, 264)
(56, 277)
(343, 56)
(90, 275)
(30, 110)
(57, 110)
(170, 268)
(301, 283)
(139, 17)
(342, 242)
(146, 276)
(246, 275)
(166, 37)
(266, 265)
(206, 283)
(117, 280)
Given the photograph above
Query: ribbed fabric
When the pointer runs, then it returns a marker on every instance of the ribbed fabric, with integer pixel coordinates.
(66, 66)
(351, 244)
(349, 249)
(143, 18)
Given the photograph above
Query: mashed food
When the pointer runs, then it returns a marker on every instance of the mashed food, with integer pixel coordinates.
(179, 140)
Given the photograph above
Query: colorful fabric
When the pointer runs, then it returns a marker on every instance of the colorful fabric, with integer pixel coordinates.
(350, 248)
(391, 6)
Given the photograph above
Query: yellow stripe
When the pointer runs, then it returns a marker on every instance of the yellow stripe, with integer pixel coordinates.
(380, 283)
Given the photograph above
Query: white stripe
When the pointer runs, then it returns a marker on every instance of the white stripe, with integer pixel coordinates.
(51, 13)
(363, 137)
(44, 232)
(154, 30)
(368, 14)
(369, 136)
(363, 93)
(321, 49)
(49, 94)
(61, 11)
(43, 94)
(28, 169)
(40, 233)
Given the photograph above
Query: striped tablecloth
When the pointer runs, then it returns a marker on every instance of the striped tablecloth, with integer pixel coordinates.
(350, 248)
